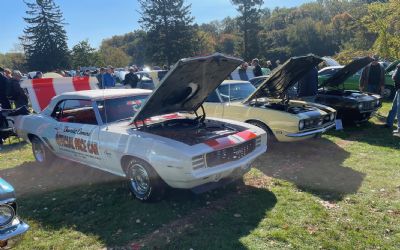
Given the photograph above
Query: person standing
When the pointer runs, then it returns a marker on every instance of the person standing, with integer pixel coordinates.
(38, 75)
(395, 111)
(17, 94)
(8, 73)
(243, 71)
(108, 79)
(372, 78)
(257, 68)
(131, 78)
(99, 77)
(4, 89)
(308, 86)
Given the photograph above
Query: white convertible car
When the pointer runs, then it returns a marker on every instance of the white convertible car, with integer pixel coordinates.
(154, 139)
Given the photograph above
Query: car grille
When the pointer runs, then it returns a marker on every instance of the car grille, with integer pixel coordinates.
(368, 105)
(317, 122)
(230, 154)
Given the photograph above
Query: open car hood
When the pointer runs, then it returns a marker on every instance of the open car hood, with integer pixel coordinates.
(285, 76)
(392, 66)
(187, 85)
(347, 71)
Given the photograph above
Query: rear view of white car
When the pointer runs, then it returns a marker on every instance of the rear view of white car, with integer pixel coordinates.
(153, 139)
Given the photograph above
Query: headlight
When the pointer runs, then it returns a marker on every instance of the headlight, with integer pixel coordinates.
(360, 105)
(378, 102)
(332, 116)
(301, 125)
(7, 214)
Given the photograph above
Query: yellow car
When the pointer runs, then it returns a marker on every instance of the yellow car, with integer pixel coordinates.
(269, 107)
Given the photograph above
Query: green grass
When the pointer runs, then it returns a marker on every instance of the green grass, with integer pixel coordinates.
(338, 192)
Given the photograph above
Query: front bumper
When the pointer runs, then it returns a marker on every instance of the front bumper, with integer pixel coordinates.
(235, 175)
(16, 228)
(211, 175)
(311, 132)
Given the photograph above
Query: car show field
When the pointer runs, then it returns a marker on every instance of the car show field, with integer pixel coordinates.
(340, 191)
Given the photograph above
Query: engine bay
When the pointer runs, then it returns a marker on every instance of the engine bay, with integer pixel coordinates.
(282, 106)
(192, 131)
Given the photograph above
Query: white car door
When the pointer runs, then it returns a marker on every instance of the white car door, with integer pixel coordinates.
(78, 132)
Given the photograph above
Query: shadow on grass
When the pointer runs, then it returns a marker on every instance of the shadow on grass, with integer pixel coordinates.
(370, 133)
(58, 197)
(227, 226)
(14, 145)
(314, 165)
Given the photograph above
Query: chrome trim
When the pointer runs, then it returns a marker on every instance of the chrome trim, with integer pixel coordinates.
(14, 214)
(6, 201)
(14, 230)
(302, 134)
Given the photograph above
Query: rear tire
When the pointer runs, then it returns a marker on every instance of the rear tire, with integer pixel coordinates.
(41, 152)
(143, 181)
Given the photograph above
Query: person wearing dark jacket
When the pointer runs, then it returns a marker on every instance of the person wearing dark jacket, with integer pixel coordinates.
(372, 78)
(395, 111)
(308, 86)
(4, 89)
(131, 78)
(257, 68)
(17, 94)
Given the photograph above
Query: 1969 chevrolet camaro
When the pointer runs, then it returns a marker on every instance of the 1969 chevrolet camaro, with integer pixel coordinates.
(152, 139)
(269, 107)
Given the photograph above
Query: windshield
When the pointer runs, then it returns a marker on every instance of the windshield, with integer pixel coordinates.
(120, 109)
(236, 91)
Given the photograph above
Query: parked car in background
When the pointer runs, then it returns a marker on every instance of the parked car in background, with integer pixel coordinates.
(10, 225)
(153, 139)
(352, 82)
(269, 107)
(351, 105)
(120, 75)
(155, 76)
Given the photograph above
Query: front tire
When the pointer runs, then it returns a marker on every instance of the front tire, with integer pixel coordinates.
(388, 92)
(42, 154)
(271, 139)
(143, 181)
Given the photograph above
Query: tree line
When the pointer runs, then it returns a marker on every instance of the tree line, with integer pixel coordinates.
(344, 29)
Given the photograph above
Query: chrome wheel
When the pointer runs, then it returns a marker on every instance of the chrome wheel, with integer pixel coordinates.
(39, 151)
(139, 179)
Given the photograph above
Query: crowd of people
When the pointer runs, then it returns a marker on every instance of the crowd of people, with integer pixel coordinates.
(11, 90)
(372, 80)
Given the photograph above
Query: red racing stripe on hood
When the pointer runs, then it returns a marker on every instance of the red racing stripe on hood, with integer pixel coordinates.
(225, 142)
(220, 143)
(247, 135)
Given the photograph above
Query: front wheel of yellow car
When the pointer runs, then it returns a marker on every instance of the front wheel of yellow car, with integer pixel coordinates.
(271, 137)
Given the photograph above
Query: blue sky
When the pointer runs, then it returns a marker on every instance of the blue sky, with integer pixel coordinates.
(98, 19)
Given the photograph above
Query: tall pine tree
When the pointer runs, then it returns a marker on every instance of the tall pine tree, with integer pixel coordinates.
(169, 27)
(45, 39)
(249, 23)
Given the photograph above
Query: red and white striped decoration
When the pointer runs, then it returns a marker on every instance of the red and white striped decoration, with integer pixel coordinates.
(42, 90)
(230, 140)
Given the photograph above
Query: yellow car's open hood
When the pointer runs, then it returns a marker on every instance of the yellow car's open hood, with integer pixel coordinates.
(285, 76)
